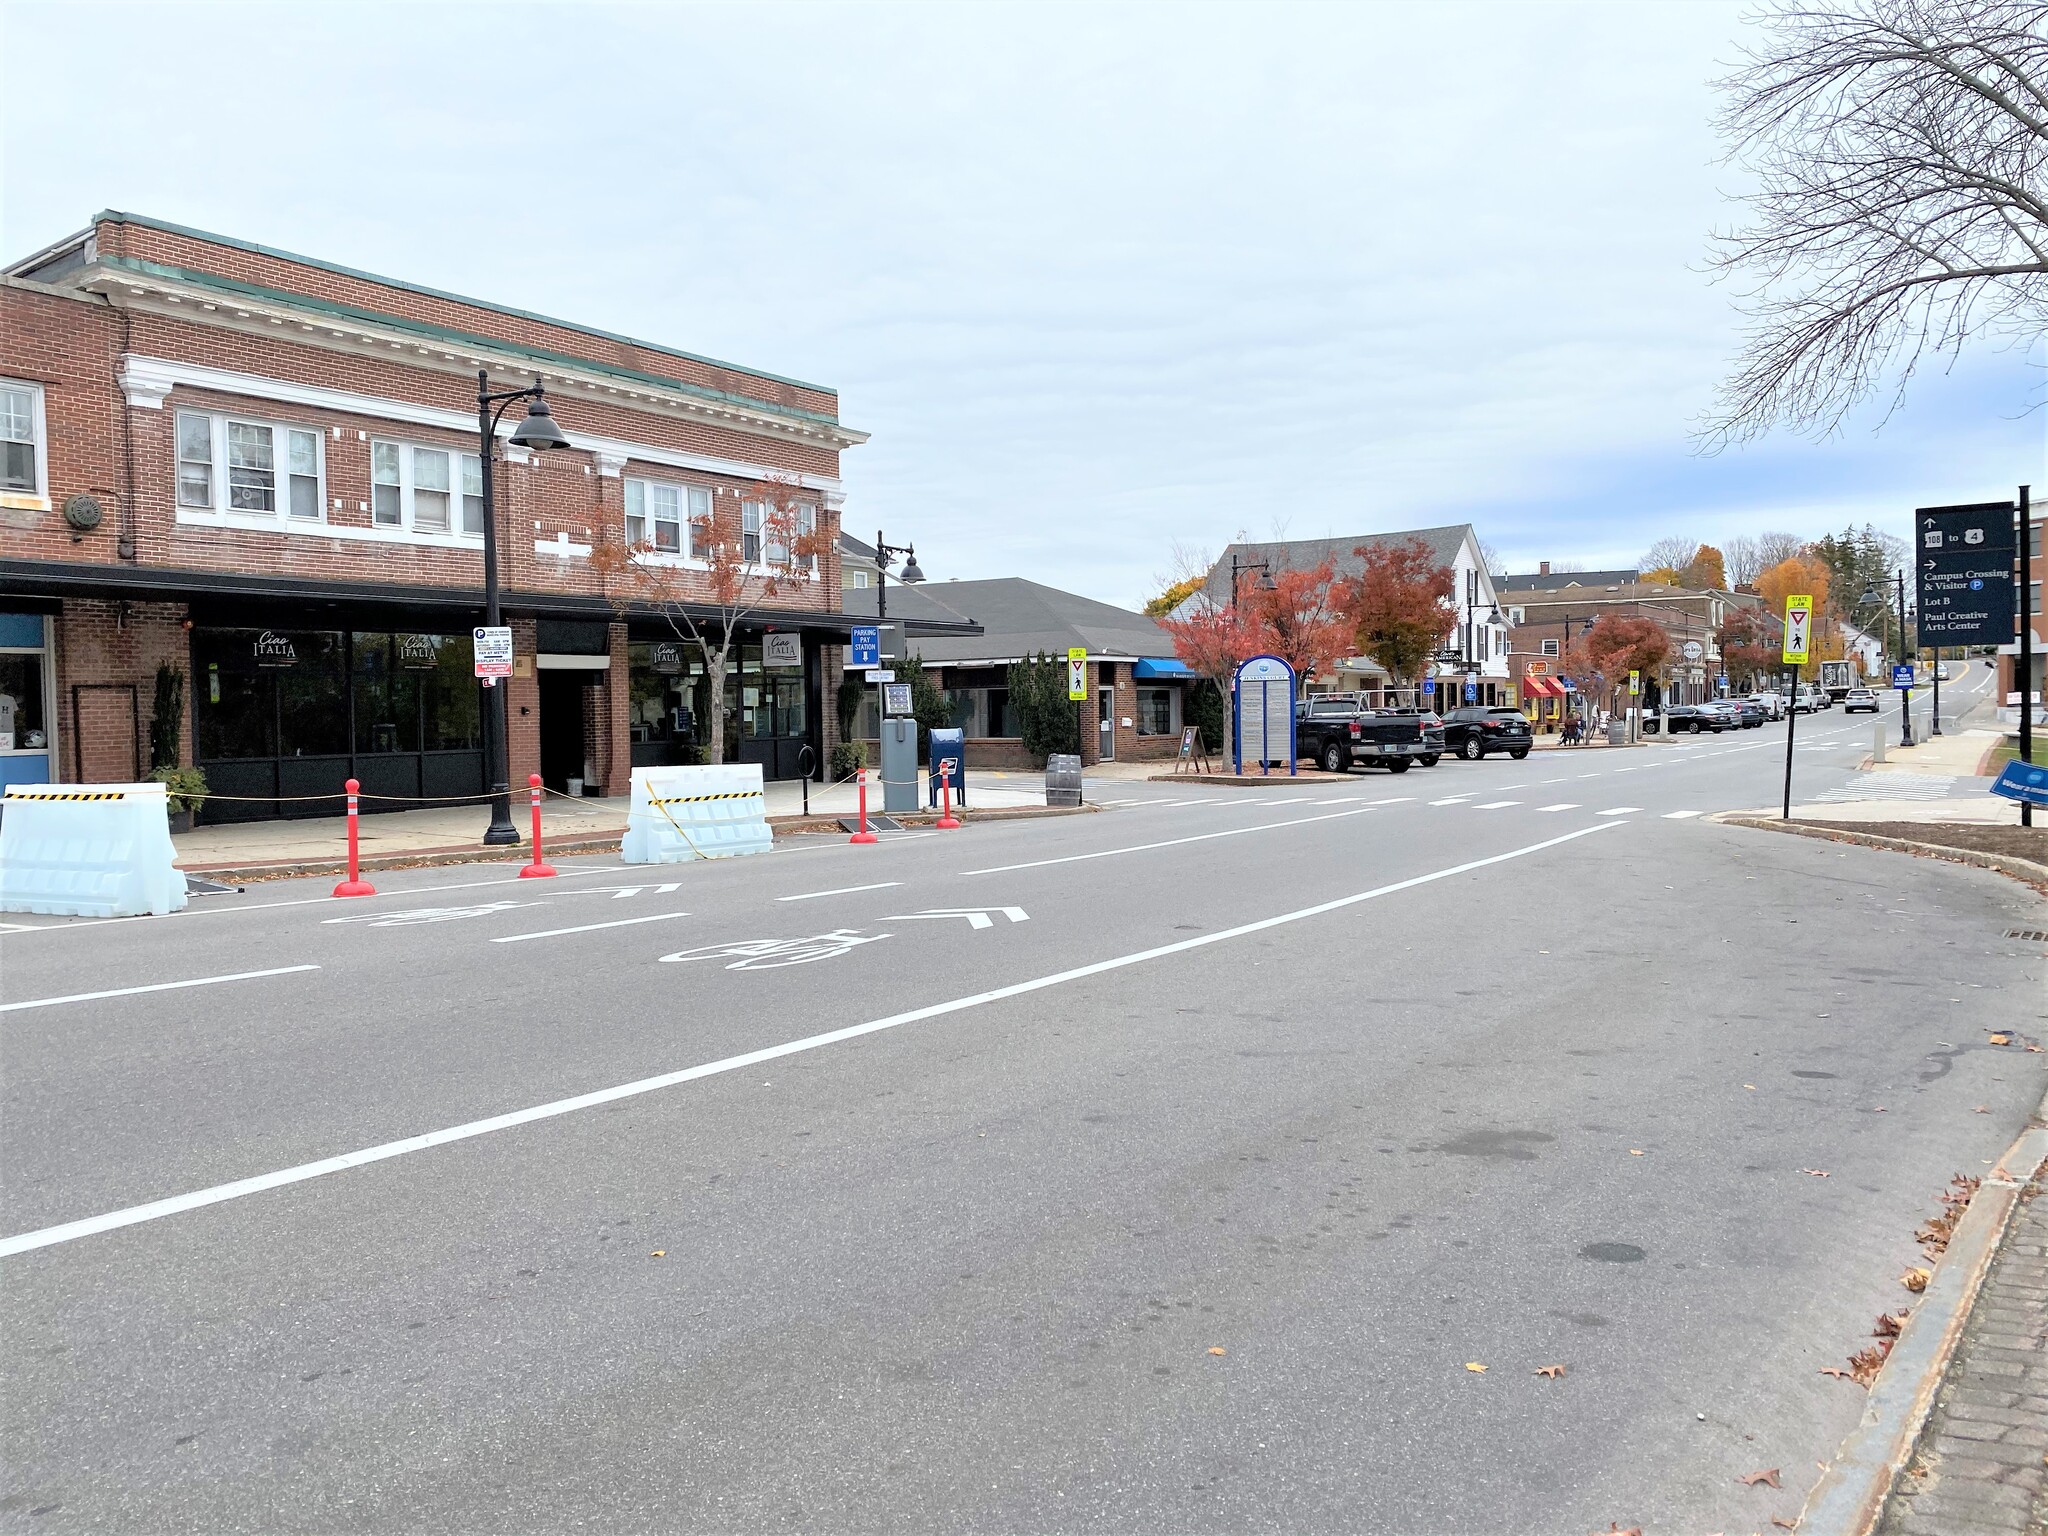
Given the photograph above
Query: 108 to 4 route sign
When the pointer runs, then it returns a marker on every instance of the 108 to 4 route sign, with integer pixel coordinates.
(1964, 557)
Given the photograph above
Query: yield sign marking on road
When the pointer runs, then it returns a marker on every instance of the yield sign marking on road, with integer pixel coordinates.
(977, 917)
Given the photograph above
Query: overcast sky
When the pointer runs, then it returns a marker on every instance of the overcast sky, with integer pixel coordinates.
(1101, 280)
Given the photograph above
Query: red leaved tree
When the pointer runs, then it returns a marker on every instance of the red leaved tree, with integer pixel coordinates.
(750, 549)
(1615, 647)
(1400, 608)
(1300, 619)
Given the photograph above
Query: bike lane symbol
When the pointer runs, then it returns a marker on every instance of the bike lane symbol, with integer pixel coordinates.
(771, 954)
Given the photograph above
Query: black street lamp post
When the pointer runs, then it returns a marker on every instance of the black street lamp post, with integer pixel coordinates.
(537, 432)
(1871, 594)
(911, 575)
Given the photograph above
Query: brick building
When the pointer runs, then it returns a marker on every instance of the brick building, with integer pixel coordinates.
(261, 471)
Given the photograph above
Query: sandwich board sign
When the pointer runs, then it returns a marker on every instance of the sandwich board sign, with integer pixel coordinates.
(1077, 673)
(1798, 628)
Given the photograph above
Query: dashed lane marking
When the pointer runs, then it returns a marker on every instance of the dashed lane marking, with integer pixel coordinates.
(556, 933)
(1618, 810)
(1496, 805)
(1680, 815)
(1562, 805)
(844, 890)
(157, 986)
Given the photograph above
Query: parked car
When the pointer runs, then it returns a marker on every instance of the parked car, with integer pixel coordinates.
(1476, 730)
(1860, 698)
(1809, 700)
(1749, 711)
(1338, 732)
(1772, 704)
(1432, 737)
(1697, 718)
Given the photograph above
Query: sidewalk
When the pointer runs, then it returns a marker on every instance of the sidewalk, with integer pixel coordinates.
(1981, 1466)
(452, 833)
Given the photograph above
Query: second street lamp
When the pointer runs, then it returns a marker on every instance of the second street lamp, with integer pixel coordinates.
(537, 433)
(1873, 594)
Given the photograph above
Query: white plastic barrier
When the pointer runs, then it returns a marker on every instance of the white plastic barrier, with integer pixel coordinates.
(102, 850)
(679, 814)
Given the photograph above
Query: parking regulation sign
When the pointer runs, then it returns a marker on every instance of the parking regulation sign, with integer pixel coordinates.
(867, 645)
(493, 650)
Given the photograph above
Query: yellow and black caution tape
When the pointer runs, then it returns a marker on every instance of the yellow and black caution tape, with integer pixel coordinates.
(737, 794)
(15, 793)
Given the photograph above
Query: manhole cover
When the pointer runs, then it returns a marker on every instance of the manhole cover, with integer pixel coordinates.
(1613, 1253)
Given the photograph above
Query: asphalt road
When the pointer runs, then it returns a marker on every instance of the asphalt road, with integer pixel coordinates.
(1174, 1192)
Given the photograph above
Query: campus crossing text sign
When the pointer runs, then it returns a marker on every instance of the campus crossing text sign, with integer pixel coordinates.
(1798, 628)
(493, 650)
(1964, 563)
(1077, 673)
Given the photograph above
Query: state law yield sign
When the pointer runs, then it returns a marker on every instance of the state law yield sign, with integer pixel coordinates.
(1798, 628)
(1077, 673)
(1963, 563)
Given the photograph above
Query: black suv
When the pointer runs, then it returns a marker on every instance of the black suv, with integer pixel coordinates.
(1475, 731)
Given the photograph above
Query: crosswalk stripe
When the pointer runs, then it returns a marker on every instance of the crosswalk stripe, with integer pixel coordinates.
(1496, 805)
(1452, 800)
(1680, 815)
(1562, 805)
(1618, 810)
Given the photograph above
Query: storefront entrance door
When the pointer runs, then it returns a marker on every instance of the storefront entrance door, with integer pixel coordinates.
(562, 702)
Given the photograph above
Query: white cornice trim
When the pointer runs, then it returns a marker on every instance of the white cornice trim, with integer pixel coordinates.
(201, 305)
(158, 376)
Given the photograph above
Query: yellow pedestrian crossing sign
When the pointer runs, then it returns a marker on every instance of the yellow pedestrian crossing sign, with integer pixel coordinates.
(1077, 672)
(1798, 628)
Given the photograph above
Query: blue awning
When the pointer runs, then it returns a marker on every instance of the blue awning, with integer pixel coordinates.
(1170, 666)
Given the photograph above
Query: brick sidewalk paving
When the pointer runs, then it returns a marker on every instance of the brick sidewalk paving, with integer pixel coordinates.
(1981, 1468)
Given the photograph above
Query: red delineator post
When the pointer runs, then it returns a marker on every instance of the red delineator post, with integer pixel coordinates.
(863, 835)
(355, 884)
(947, 819)
(536, 870)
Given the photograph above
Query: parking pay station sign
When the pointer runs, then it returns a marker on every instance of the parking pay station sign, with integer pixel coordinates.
(867, 645)
(1798, 628)
(493, 650)
(1077, 673)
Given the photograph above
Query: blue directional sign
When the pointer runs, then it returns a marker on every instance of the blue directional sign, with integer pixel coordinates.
(867, 645)
(2026, 782)
(1902, 676)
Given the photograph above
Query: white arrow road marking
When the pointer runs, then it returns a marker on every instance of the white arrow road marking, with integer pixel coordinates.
(977, 917)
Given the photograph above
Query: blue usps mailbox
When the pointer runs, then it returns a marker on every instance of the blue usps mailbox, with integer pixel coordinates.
(1902, 676)
(867, 645)
(949, 765)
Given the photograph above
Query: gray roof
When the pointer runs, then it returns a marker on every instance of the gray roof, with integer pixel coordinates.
(1017, 618)
(1558, 581)
(1305, 554)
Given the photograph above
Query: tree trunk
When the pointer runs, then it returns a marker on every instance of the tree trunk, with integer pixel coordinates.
(714, 672)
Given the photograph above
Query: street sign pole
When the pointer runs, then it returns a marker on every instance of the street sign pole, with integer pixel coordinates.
(1077, 690)
(1798, 628)
(2026, 655)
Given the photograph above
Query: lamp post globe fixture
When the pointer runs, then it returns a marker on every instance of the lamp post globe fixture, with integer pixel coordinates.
(537, 433)
(912, 572)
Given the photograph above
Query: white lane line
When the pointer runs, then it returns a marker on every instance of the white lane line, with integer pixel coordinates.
(1172, 842)
(1496, 805)
(1680, 815)
(313, 901)
(556, 933)
(1452, 800)
(1618, 810)
(844, 890)
(48, 1237)
(1562, 805)
(157, 986)
(1392, 800)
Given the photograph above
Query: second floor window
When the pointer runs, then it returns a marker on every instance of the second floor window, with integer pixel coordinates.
(20, 440)
(662, 516)
(428, 490)
(1550, 647)
(257, 468)
(750, 532)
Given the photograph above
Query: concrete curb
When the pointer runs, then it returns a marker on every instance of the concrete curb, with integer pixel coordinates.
(1850, 1498)
(2025, 870)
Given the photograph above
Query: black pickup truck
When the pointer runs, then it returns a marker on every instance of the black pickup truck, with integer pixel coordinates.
(1337, 732)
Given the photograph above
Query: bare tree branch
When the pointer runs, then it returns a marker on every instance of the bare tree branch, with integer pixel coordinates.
(1901, 154)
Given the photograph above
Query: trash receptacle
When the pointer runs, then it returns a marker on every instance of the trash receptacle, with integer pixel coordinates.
(1617, 732)
(1063, 779)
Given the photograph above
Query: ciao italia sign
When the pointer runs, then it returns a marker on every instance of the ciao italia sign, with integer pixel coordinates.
(270, 649)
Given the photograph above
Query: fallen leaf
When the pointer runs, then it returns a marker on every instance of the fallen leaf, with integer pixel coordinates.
(1981, 1109)
(659, 1253)
(1818, 1173)
(1552, 1371)
(2001, 1038)
(1916, 1278)
(1768, 1477)
(1616, 1530)
(1475, 1367)
(1635, 1151)
(1889, 1324)
(1784, 1524)
(2037, 1048)
(1750, 1086)
(1838, 1373)
(1878, 1110)
(1218, 1349)
(1866, 1363)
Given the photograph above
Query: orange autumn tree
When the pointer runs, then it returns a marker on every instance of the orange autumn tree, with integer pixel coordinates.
(1806, 573)
(706, 576)
(1300, 619)
(1615, 647)
(1400, 606)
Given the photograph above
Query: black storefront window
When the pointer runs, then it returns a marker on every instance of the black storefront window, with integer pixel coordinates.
(285, 717)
